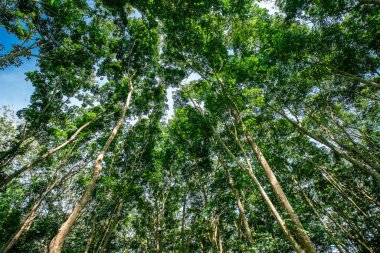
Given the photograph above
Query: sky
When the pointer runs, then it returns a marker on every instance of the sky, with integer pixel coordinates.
(15, 91)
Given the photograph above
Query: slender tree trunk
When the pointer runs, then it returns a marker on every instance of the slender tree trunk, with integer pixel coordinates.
(91, 239)
(351, 76)
(23, 52)
(247, 230)
(264, 195)
(343, 193)
(219, 235)
(350, 150)
(364, 167)
(327, 229)
(183, 239)
(111, 228)
(353, 190)
(57, 242)
(299, 230)
(29, 219)
(354, 237)
(369, 1)
(45, 155)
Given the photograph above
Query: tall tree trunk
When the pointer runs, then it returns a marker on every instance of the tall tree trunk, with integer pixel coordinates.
(343, 193)
(45, 155)
(349, 149)
(111, 228)
(320, 218)
(91, 239)
(349, 75)
(219, 235)
(29, 219)
(299, 231)
(247, 230)
(364, 167)
(58, 240)
(264, 195)
(183, 240)
(354, 237)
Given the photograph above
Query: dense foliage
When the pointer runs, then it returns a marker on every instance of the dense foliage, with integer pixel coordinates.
(273, 144)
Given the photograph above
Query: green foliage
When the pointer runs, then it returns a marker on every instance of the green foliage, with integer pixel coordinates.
(293, 93)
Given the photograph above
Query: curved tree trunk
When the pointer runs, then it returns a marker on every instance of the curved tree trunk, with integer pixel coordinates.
(45, 155)
(57, 242)
(29, 219)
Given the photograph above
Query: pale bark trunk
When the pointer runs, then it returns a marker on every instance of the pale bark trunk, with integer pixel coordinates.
(29, 219)
(220, 239)
(353, 190)
(57, 242)
(328, 230)
(45, 155)
(341, 191)
(247, 230)
(112, 226)
(369, 1)
(183, 240)
(351, 76)
(354, 237)
(267, 200)
(91, 239)
(350, 150)
(299, 231)
(23, 52)
(322, 140)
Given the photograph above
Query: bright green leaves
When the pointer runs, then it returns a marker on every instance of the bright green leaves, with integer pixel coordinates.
(255, 96)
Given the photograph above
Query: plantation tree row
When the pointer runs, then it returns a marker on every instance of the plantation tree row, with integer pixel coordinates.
(273, 144)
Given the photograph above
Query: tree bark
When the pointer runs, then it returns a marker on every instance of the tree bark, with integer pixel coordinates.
(355, 237)
(247, 230)
(112, 226)
(349, 75)
(57, 242)
(264, 195)
(45, 155)
(364, 167)
(369, 1)
(183, 240)
(299, 231)
(23, 52)
(320, 218)
(29, 219)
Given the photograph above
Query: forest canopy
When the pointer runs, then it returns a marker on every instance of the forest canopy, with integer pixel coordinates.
(192, 126)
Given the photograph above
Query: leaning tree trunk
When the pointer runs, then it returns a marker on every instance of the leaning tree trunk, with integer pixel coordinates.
(361, 165)
(265, 196)
(247, 230)
(29, 219)
(320, 218)
(58, 240)
(111, 228)
(299, 231)
(262, 191)
(45, 155)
